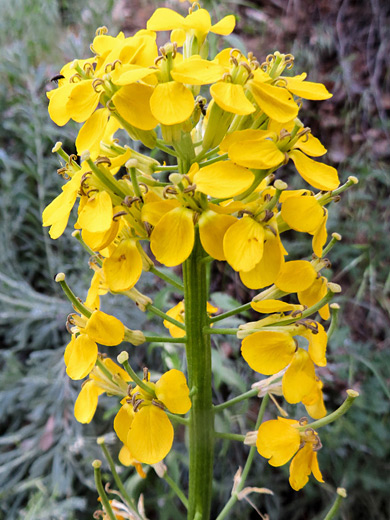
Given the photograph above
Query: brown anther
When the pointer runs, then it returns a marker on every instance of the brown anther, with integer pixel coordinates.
(72, 158)
(96, 83)
(133, 398)
(148, 228)
(296, 344)
(76, 77)
(145, 186)
(187, 179)
(128, 201)
(227, 77)
(289, 61)
(137, 404)
(159, 405)
(271, 228)
(280, 82)
(270, 59)
(284, 133)
(245, 212)
(303, 421)
(158, 59)
(264, 66)
(118, 215)
(327, 262)
(64, 173)
(317, 445)
(87, 67)
(103, 160)
(296, 313)
(309, 324)
(286, 158)
(146, 374)
(254, 64)
(246, 66)
(267, 197)
(101, 30)
(83, 180)
(268, 215)
(169, 190)
(190, 189)
(195, 218)
(93, 190)
(129, 390)
(337, 198)
(110, 106)
(235, 53)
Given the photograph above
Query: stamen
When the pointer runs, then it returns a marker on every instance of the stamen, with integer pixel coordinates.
(128, 201)
(76, 77)
(159, 405)
(103, 160)
(118, 215)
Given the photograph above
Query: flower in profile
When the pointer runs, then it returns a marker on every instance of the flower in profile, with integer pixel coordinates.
(142, 424)
(280, 440)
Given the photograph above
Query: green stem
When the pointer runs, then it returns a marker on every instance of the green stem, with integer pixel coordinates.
(103, 369)
(213, 160)
(135, 378)
(352, 395)
(230, 436)
(161, 146)
(198, 349)
(60, 278)
(166, 278)
(341, 493)
(165, 339)
(100, 489)
(117, 478)
(162, 314)
(172, 484)
(233, 499)
(210, 330)
(134, 182)
(177, 418)
(334, 310)
(238, 399)
(237, 310)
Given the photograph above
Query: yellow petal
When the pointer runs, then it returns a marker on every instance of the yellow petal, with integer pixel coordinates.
(123, 421)
(82, 101)
(96, 215)
(171, 103)
(240, 136)
(270, 306)
(319, 175)
(317, 345)
(164, 19)
(314, 294)
(116, 369)
(268, 352)
(173, 237)
(130, 74)
(224, 26)
(314, 402)
(172, 390)
(276, 102)
(153, 211)
(177, 312)
(196, 71)
(303, 214)
(223, 179)
(133, 103)
(99, 241)
(57, 104)
(320, 236)
(80, 356)
(105, 329)
(267, 270)
(243, 244)
(231, 97)
(123, 268)
(151, 435)
(259, 154)
(310, 145)
(126, 458)
(304, 462)
(278, 440)
(56, 214)
(295, 276)
(86, 402)
(92, 130)
(307, 89)
(299, 379)
(212, 228)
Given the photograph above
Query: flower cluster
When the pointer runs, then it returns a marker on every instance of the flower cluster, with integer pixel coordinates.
(230, 124)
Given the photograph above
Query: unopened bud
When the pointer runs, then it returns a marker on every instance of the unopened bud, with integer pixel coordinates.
(122, 357)
(60, 277)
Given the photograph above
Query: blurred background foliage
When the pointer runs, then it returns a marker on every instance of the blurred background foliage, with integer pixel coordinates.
(45, 455)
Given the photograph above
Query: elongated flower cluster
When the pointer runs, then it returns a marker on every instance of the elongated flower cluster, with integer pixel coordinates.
(230, 124)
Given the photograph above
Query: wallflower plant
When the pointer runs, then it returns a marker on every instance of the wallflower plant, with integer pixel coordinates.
(231, 123)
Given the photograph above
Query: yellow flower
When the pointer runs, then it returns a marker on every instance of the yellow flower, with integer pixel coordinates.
(98, 383)
(81, 353)
(279, 440)
(177, 312)
(142, 424)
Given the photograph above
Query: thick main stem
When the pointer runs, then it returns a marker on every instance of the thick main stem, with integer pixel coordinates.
(198, 348)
